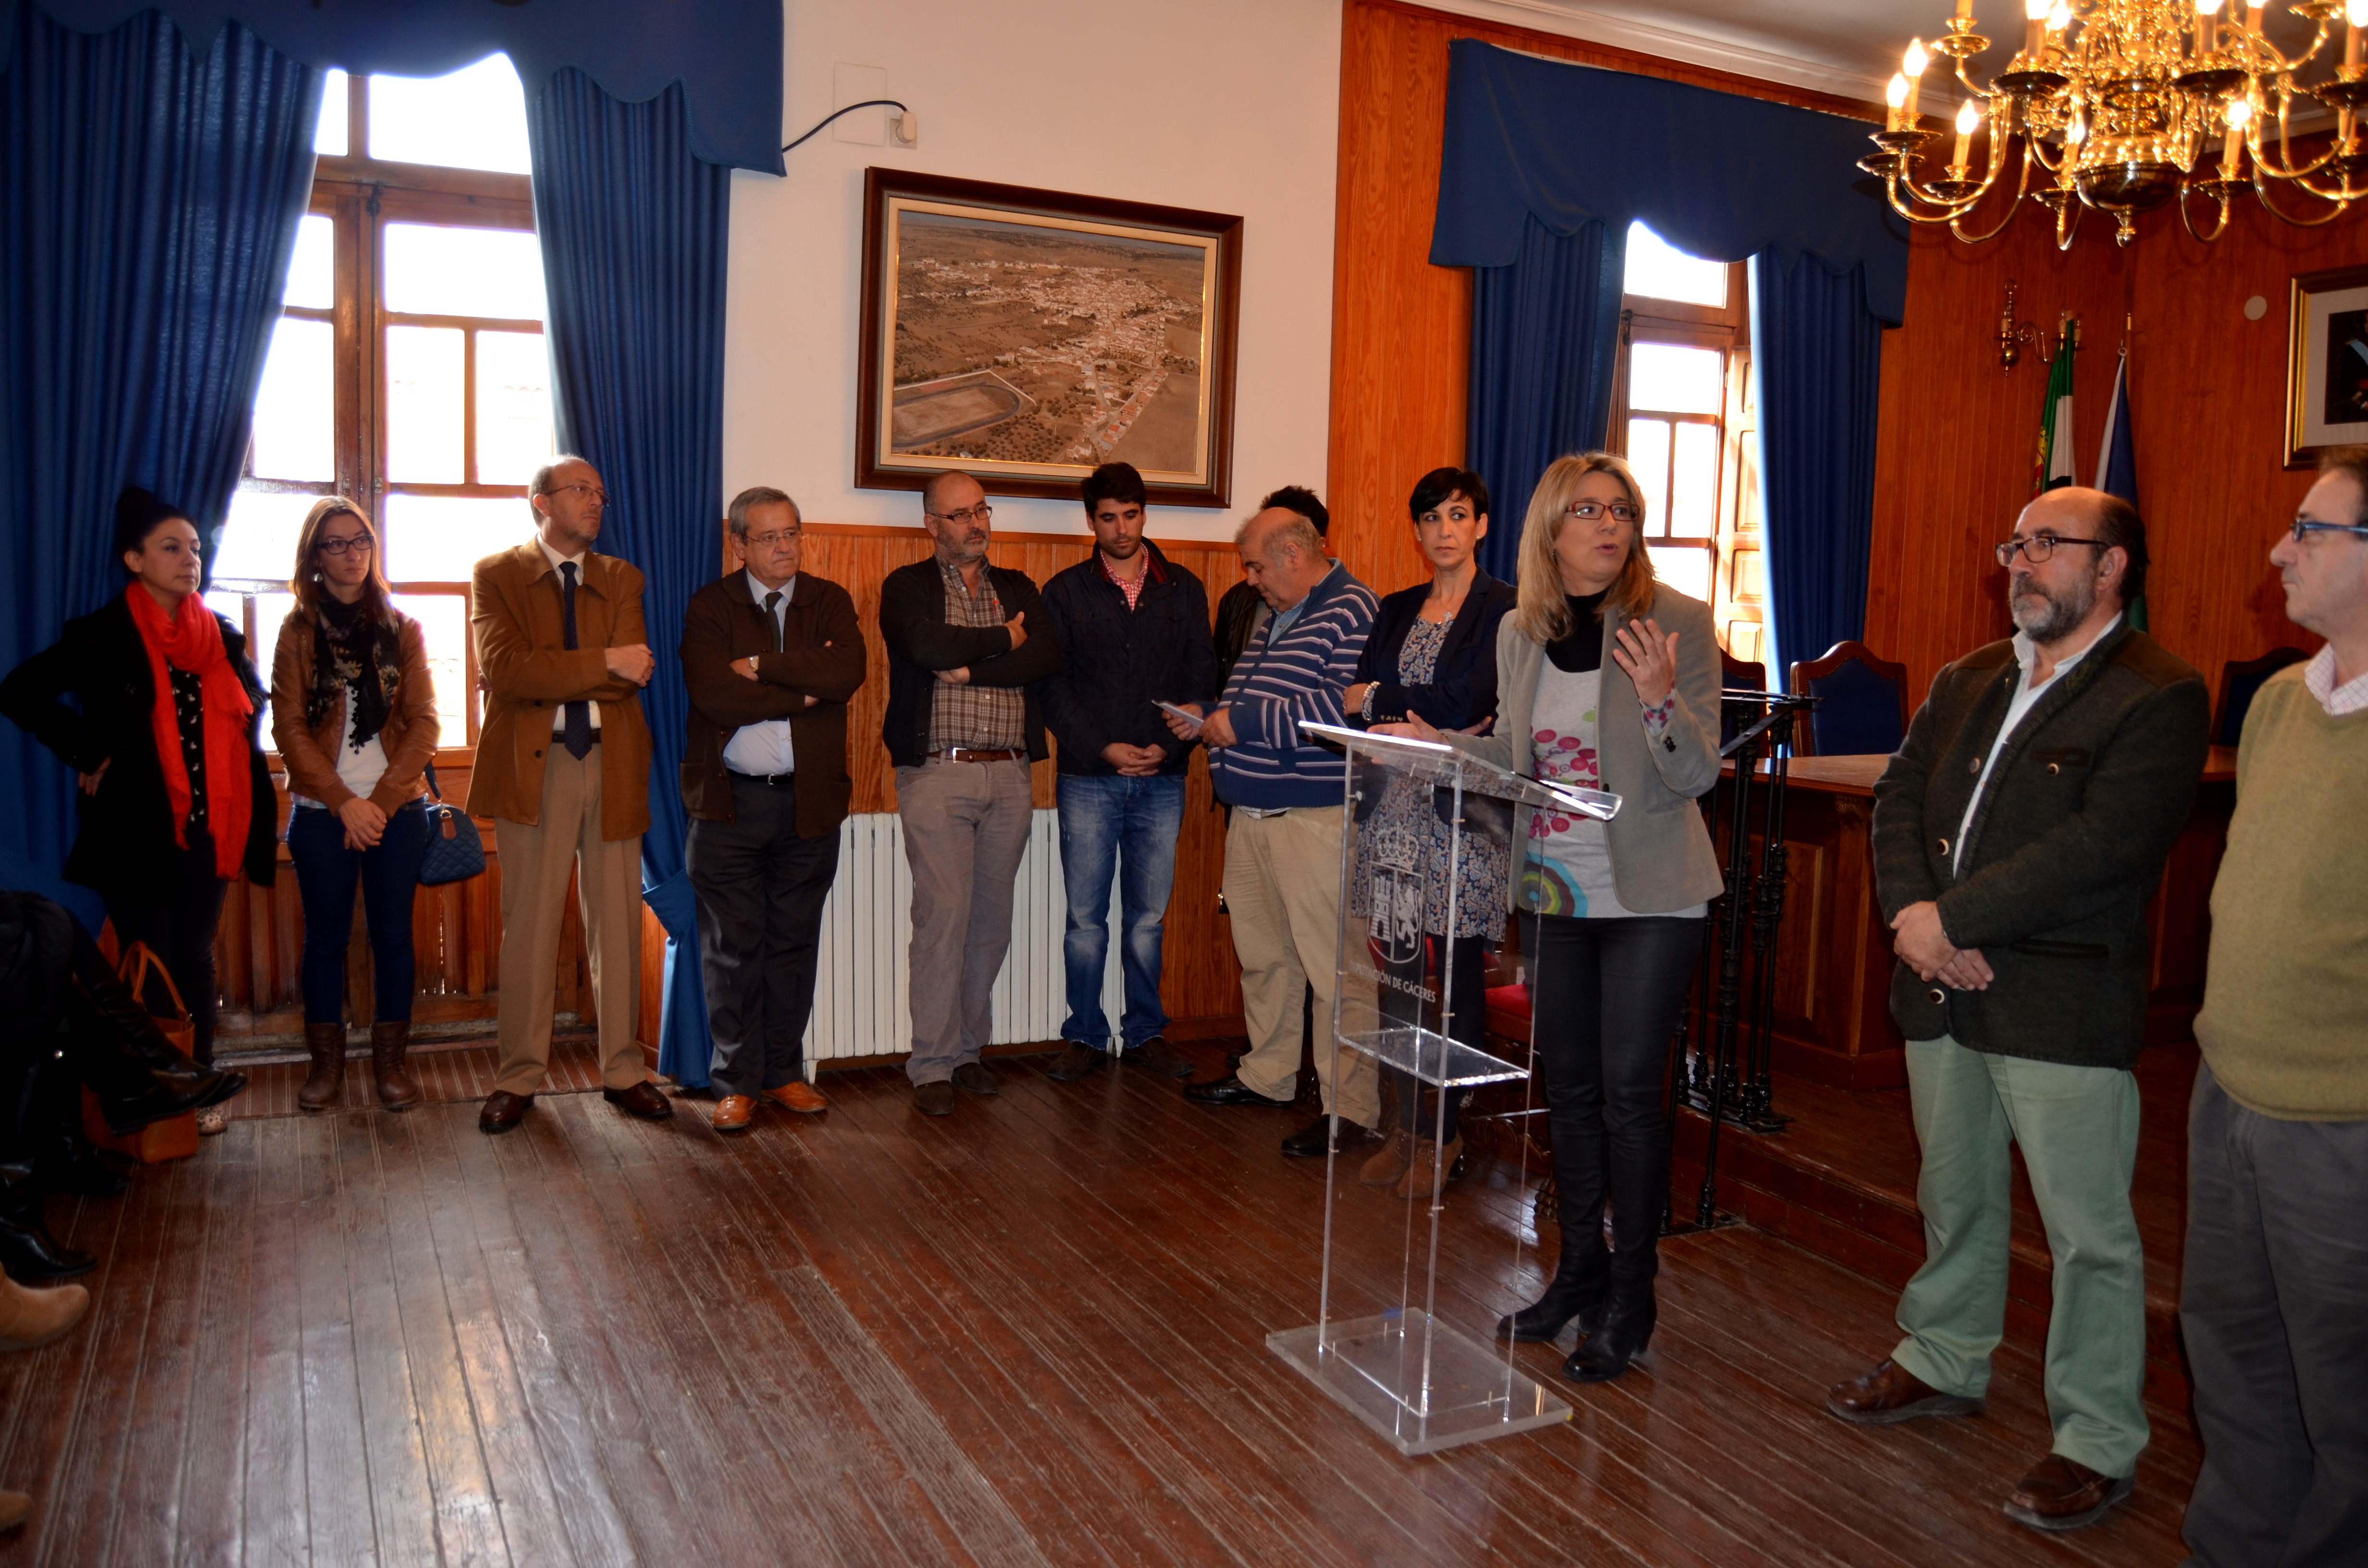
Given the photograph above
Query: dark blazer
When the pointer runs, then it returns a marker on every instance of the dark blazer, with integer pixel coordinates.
(724, 623)
(1115, 662)
(1462, 687)
(921, 643)
(2063, 854)
(127, 828)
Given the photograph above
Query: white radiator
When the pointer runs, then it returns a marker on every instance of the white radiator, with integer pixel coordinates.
(862, 983)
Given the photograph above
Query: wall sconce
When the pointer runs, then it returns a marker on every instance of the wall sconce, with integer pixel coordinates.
(2011, 334)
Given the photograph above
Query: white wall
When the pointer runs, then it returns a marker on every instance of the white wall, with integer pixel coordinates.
(1225, 106)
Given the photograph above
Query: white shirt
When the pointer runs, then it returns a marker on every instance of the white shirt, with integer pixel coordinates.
(2026, 697)
(764, 750)
(2319, 677)
(358, 769)
(559, 720)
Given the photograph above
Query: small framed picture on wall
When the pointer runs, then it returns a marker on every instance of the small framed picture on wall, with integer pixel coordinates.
(1027, 336)
(2327, 376)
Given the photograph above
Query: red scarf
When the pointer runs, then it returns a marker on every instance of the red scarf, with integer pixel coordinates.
(190, 640)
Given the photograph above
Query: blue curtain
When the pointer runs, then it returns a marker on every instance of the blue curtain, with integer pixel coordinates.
(149, 197)
(1546, 338)
(725, 53)
(634, 228)
(1818, 349)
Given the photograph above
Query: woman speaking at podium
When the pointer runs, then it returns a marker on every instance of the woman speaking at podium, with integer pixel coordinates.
(1608, 679)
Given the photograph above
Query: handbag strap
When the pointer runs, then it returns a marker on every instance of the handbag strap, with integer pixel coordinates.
(139, 960)
(432, 788)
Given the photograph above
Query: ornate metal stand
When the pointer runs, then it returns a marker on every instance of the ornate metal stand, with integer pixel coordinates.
(1724, 1073)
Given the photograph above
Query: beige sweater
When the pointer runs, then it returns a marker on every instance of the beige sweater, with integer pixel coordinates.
(2284, 1024)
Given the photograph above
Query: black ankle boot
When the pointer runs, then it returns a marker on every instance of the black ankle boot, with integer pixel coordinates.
(1627, 1328)
(1567, 1295)
(138, 1077)
(28, 1251)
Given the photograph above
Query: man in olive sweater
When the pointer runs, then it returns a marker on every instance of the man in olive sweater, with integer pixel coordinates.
(2018, 834)
(2274, 1297)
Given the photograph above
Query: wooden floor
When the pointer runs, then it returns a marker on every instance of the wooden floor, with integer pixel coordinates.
(1030, 1334)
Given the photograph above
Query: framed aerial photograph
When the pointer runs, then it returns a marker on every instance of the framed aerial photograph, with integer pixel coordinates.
(2327, 377)
(1029, 337)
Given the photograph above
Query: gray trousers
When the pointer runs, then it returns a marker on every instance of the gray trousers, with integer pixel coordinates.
(761, 890)
(2273, 1304)
(965, 830)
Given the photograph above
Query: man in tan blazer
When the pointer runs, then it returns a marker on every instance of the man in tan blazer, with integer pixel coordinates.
(564, 769)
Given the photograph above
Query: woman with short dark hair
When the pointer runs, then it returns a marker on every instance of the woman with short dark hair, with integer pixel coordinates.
(175, 799)
(353, 712)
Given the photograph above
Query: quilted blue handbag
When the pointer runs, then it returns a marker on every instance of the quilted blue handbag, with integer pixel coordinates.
(455, 850)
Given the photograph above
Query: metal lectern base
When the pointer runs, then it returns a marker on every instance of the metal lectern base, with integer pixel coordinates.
(1375, 1366)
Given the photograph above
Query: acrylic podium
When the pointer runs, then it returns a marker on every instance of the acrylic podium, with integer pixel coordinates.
(1398, 1337)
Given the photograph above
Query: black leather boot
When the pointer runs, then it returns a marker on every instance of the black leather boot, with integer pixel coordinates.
(1577, 1290)
(138, 1075)
(28, 1251)
(1627, 1329)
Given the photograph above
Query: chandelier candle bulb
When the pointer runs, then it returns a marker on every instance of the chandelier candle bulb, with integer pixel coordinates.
(2035, 35)
(1968, 117)
(1894, 96)
(1912, 63)
(2060, 17)
(2207, 26)
(2355, 16)
(2240, 113)
(1964, 8)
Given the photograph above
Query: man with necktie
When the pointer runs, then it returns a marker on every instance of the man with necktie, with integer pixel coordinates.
(770, 656)
(563, 768)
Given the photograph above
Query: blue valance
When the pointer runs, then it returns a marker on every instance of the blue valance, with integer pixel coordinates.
(726, 53)
(1718, 176)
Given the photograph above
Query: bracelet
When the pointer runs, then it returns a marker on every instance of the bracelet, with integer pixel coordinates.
(1365, 708)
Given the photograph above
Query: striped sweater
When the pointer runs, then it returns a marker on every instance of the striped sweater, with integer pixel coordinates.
(1277, 682)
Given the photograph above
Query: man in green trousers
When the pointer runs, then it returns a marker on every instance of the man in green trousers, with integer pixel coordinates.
(2019, 834)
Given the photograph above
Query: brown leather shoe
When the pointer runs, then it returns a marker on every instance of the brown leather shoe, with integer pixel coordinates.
(326, 1085)
(1423, 1174)
(798, 1095)
(734, 1113)
(390, 1056)
(644, 1100)
(1388, 1166)
(504, 1111)
(2063, 1495)
(1891, 1393)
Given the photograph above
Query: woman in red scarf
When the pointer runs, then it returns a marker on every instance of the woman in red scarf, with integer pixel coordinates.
(175, 799)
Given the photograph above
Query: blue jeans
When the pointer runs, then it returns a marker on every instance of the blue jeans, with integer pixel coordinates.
(1106, 823)
(325, 874)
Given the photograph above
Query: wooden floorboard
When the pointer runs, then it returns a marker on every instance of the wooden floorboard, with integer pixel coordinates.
(1032, 1333)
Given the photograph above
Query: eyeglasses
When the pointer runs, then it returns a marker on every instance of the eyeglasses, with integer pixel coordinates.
(978, 513)
(2302, 529)
(774, 541)
(1590, 511)
(2039, 547)
(592, 493)
(360, 544)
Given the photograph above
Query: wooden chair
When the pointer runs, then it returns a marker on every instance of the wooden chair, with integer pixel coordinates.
(2240, 681)
(1862, 703)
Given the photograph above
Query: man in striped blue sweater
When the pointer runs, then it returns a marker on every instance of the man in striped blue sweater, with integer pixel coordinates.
(1282, 847)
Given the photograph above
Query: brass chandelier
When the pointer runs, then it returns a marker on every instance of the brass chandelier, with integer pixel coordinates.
(2124, 106)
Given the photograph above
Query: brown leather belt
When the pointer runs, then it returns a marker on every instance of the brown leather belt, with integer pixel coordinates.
(970, 754)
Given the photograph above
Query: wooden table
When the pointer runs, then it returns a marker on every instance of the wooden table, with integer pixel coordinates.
(1834, 961)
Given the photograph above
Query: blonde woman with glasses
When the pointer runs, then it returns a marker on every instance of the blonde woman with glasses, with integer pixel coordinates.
(1606, 679)
(353, 712)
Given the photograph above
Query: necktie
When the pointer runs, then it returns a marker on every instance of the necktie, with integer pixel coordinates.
(576, 732)
(772, 617)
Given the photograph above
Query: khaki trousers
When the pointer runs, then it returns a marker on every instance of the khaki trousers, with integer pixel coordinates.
(536, 860)
(965, 833)
(1282, 886)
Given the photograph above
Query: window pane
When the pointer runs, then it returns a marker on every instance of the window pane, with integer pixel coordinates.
(1682, 567)
(438, 539)
(474, 118)
(513, 407)
(437, 271)
(1674, 379)
(1694, 482)
(330, 139)
(1658, 270)
(312, 270)
(424, 404)
(270, 611)
(296, 407)
(1648, 456)
(444, 625)
(258, 538)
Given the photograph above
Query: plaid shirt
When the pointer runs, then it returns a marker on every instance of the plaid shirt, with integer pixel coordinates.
(987, 718)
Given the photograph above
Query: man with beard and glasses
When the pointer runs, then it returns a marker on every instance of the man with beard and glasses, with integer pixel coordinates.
(2019, 834)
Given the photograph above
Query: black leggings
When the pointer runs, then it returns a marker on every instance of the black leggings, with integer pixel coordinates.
(1466, 972)
(176, 914)
(1604, 997)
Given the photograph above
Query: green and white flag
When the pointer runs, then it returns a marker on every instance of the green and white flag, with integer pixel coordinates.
(2051, 467)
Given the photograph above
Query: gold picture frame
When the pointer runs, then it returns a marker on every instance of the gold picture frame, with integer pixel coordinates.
(2327, 364)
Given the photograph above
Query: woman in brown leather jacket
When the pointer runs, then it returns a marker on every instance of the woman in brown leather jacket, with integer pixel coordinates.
(353, 713)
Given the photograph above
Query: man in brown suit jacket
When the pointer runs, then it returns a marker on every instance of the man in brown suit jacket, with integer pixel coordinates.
(564, 769)
(770, 654)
